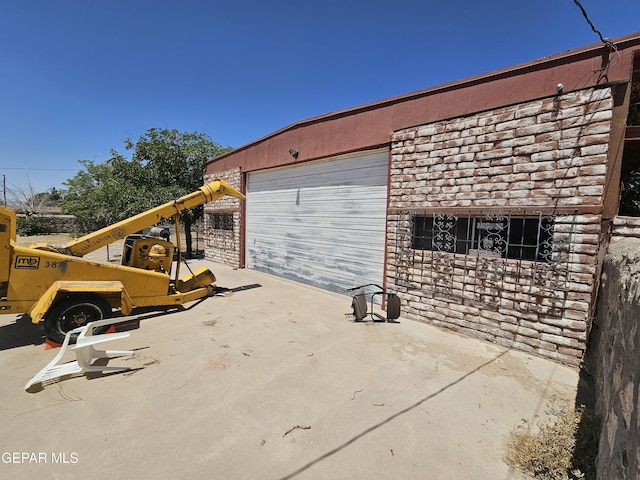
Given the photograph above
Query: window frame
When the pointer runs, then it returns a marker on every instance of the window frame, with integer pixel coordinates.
(222, 221)
(514, 237)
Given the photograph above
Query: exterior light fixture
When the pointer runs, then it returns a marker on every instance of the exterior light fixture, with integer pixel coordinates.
(559, 87)
(293, 152)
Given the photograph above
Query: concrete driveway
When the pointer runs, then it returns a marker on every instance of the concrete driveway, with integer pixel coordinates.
(272, 381)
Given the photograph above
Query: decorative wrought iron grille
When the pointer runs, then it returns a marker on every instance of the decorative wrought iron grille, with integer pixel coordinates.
(221, 221)
(505, 236)
(484, 257)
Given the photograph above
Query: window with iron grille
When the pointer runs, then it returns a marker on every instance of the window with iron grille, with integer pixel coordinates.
(520, 238)
(221, 221)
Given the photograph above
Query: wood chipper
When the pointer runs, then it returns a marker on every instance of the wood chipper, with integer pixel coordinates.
(55, 284)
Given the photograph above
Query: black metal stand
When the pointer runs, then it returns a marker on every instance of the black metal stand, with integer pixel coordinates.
(359, 304)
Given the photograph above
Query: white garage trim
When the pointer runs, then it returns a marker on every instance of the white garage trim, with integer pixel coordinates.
(321, 223)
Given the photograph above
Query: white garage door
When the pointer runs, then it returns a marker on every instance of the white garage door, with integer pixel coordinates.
(321, 223)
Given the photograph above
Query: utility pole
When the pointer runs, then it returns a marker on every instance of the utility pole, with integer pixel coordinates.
(4, 188)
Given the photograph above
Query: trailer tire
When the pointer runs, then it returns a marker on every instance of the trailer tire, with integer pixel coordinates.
(73, 312)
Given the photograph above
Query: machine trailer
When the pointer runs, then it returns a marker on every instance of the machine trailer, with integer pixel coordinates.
(56, 285)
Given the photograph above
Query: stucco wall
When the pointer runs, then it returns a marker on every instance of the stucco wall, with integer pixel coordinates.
(546, 157)
(224, 246)
(612, 359)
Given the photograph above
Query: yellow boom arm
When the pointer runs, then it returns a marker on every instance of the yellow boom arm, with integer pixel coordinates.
(119, 230)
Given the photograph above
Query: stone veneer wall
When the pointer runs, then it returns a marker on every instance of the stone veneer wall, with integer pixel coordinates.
(612, 359)
(544, 157)
(224, 245)
(625, 227)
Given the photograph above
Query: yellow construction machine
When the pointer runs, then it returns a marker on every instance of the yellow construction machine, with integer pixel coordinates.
(55, 284)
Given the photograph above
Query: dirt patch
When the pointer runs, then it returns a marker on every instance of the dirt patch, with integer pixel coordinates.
(53, 239)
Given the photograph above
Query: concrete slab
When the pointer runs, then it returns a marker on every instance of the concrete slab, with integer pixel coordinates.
(272, 381)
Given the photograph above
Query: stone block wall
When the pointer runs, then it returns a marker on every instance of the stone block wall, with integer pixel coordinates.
(223, 245)
(625, 227)
(612, 359)
(544, 158)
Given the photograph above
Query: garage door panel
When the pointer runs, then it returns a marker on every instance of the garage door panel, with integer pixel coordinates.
(331, 276)
(321, 223)
(366, 171)
(295, 248)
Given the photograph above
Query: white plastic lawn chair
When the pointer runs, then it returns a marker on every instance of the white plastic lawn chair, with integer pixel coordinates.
(85, 353)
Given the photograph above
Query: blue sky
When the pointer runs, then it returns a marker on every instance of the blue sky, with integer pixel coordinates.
(78, 77)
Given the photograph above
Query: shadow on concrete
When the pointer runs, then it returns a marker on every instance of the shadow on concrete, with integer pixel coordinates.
(242, 288)
(23, 332)
(585, 453)
(390, 419)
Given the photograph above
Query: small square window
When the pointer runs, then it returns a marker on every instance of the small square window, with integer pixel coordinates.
(221, 221)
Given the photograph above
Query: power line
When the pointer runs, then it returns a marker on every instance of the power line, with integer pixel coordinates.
(610, 46)
(586, 17)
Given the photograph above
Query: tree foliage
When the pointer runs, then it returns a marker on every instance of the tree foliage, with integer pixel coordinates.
(172, 165)
(30, 225)
(630, 194)
(98, 196)
(165, 164)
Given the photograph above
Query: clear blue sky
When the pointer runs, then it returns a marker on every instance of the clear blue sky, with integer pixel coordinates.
(77, 77)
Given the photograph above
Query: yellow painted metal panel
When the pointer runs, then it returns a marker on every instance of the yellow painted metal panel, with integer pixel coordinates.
(201, 278)
(59, 288)
(173, 299)
(43, 304)
(7, 236)
(120, 230)
(35, 271)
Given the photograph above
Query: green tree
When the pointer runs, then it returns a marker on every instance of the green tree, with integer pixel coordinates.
(49, 198)
(165, 164)
(172, 164)
(630, 194)
(99, 195)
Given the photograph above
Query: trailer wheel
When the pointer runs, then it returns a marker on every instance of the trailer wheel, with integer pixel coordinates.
(73, 312)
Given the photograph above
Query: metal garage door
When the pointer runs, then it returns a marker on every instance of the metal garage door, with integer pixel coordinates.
(321, 223)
